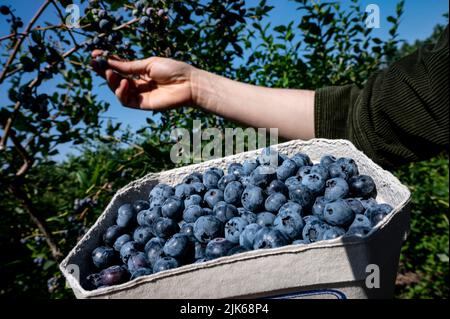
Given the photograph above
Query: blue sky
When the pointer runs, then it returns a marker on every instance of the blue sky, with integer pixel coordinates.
(417, 23)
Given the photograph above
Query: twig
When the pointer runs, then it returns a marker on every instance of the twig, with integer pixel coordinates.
(29, 207)
(62, 20)
(20, 40)
(27, 159)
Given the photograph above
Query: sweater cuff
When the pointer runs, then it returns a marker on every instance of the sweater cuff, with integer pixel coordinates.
(331, 108)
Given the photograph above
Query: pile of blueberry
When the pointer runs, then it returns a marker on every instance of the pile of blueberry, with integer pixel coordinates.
(268, 202)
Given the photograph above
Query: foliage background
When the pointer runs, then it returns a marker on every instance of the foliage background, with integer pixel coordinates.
(328, 46)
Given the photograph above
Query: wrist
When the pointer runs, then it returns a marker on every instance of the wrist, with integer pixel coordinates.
(201, 88)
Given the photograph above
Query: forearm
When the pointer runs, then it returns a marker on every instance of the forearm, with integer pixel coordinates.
(289, 110)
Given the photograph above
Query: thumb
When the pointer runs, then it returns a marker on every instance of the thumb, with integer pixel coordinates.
(129, 67)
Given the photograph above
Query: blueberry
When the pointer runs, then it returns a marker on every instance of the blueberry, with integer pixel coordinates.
(233, 192)
(125, 215)
(192, 213)
(213, 196)
(177, 246)
(112, 233)
(314, 182)
(247, 236)
(327, 160)
(319, 206)
(287, 169)
(270, 156)
(368, 202)
(300, 242)
(136, 261)
(335, 170)
(165, 227)
(362, 186)
(140, 272)
(252, 198)
(293, 182)
(348, 166)
(207, 228)
(225, 180)
(377, 212)
(302, 159)
(142, 217)
(333, 232)
(290, 223)
(164, 263)
(199, 250)
(193, 199)
(320, 170)
(236, 250)
(120, 241)
(233, 229)
(104, 25)
(128, 249)
(173, 208)
(304, 170)
(183, 191)
(263, 175)
(265, 219)
(336, 188)
(249, 216)
(356, 205)
(245, 180)
(361, 220)
(218, 247)
(113, 275)
(103, 257)
(140, 205)
(302, 195)
(193, 178)
(198, 188)
(274, 202)
(102, 63)
(314, 229)
(358, 231)
(269, 238)
(211, 179)
(292, 207)
(4, 10)
(161, 190)
(277, 186)
(142, 235)
(208, 211)
(154, 249)
(235, 169)
(157, 201)
(217, 170)
(224, 211)
(338, 213)
(188, 230)
(249, 166)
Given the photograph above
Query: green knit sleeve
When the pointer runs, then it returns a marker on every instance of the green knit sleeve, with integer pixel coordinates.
(400, 115)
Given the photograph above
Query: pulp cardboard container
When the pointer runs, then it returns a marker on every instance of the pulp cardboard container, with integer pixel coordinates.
(338, 268)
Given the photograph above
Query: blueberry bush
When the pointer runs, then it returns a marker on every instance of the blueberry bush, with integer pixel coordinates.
(46, 205)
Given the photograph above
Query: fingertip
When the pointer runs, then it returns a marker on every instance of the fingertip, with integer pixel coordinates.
(96, 53)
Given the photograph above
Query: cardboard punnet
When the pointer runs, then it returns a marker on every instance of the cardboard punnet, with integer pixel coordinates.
(339, 268)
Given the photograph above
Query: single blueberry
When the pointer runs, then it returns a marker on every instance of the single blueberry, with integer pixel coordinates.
(213, 196)
(128, 249)
(327, 160)
(193, 212)
(263, 175)
(173, 208)
(302, 159)
(165, 227)
(290, 223)
(269, 238)
(336, 188)
(207, 227)
(302, 195)
(211, 179)
(136, 261)
(188, 230)
(183, 191)
(110, 276)
(293, 182)
(338, 213)
(142, 234)
(218, 247)
(125, 215)
(286, 170)
(249, 216)
(103, 257)
(292, 207)
(320, 170)
(249, 165)
(195, 177)
(233, 192)
(265, 219)
(358, 231)
(314, 182)
(303, 171)
(154, 249)
(235, 169)
(356, 205)
(164, 263)
(269, 156)
(348, 166)
(225, 180)
(252, 198)
(140, 272)
(274, 202)
(277, 186)
(314, 229)
(319, 206)
(140, 205)
(198, 188)
(361, 220)
(333, 232)
(193, 199)
(362, 186)
(177, 246)
(377, 212)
